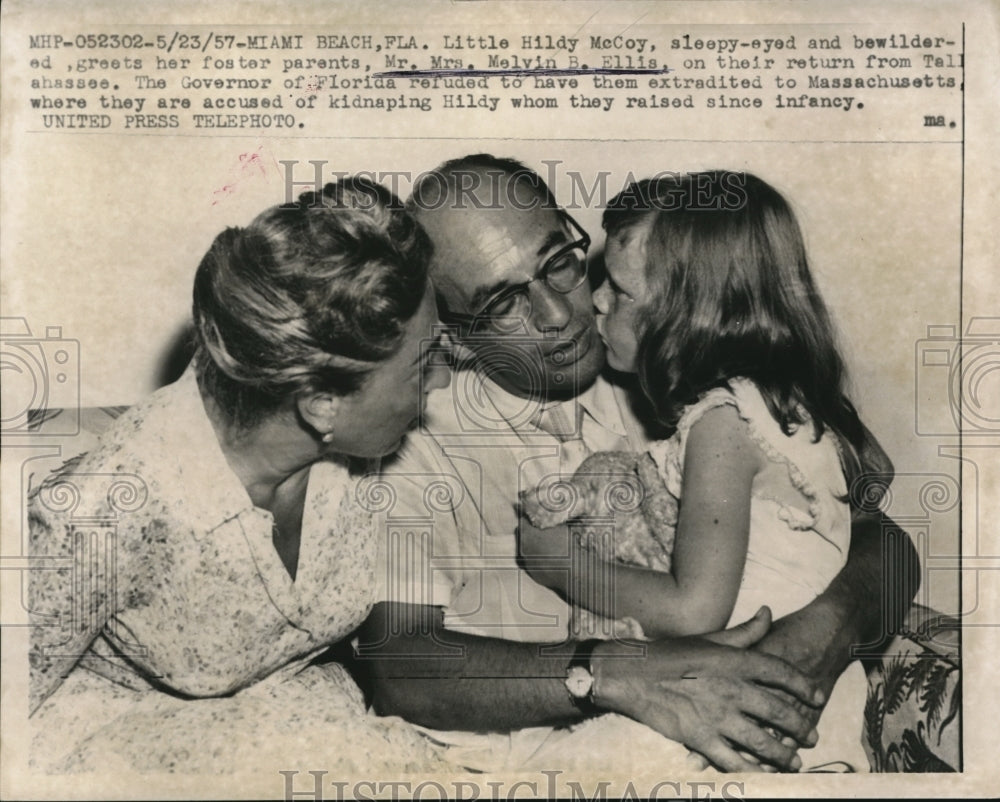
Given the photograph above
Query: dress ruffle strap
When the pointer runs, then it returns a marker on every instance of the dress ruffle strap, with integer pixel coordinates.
(763, 430)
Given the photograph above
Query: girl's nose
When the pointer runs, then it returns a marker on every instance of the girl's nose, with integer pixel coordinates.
(602, 297)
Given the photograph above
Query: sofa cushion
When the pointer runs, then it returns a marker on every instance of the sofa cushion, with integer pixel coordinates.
(913, 709)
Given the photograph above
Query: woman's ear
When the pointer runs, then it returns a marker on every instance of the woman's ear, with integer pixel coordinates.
(319, 410)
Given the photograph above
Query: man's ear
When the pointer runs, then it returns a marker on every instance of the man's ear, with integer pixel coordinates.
(319, 410)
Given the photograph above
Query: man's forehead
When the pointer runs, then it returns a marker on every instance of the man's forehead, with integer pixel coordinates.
(495, 188)
(480, 194)
(474, 245)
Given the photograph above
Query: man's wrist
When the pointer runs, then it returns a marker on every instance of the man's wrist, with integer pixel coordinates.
(615, 666)
(599, 668)
(796, 639)
(580, 678)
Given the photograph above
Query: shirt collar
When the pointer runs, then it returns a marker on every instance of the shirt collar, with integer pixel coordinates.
(607, 403)
(199, 459)
(603, 402)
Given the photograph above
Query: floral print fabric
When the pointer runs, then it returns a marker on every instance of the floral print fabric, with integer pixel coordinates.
(158, 595)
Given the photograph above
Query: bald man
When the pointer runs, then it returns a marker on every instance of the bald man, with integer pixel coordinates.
(461, 639)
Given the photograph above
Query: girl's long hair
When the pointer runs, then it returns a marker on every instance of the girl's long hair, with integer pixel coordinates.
(731, 295)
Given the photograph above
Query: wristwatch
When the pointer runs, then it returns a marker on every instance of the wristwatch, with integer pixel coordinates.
(580, 677)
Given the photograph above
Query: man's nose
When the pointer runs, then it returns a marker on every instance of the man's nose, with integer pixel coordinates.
(602, 297)
(551, 310)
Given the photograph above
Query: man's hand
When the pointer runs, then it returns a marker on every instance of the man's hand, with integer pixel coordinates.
(860, 610)
(794, 640)
(806, 640)
(714, 696)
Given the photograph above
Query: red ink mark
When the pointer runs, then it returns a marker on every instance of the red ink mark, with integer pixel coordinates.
(250, 165)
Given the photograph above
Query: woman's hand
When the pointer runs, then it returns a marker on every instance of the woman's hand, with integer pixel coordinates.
(546, 554)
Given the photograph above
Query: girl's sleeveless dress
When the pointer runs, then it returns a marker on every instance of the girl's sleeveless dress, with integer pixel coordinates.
(800, 531)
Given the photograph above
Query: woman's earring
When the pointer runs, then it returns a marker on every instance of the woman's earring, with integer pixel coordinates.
(328, 437)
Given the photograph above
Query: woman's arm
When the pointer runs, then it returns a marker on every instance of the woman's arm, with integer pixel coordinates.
(710, 544)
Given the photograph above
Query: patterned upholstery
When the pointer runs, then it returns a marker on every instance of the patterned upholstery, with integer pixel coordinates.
(913, 711)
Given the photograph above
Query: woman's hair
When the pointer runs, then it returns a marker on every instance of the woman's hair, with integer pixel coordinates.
(731, 295)
(308, 298)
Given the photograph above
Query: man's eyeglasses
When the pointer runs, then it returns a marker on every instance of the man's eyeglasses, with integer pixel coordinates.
(510, 309)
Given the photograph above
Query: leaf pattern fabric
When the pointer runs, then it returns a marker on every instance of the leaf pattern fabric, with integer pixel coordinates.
(913, 709)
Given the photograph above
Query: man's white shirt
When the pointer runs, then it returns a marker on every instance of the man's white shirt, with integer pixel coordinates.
(447, 530)
(447, 536)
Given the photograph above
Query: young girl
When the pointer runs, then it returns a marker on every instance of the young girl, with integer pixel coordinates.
(710, 300)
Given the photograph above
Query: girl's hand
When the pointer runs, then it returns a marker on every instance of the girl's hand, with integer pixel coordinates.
(545, 553)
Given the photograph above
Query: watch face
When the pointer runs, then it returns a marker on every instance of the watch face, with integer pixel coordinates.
(579, 681)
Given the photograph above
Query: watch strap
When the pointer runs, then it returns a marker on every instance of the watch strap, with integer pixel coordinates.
(582, 657)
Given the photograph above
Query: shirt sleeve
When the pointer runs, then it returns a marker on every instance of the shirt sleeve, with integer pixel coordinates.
(416, 500)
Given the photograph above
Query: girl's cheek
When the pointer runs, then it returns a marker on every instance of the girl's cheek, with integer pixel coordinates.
(609, 316)
(618, 323)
